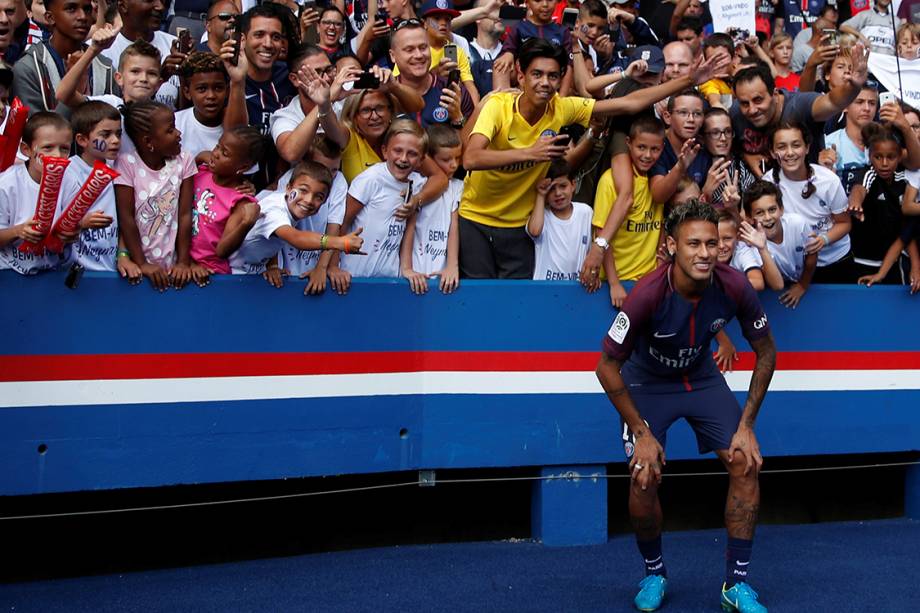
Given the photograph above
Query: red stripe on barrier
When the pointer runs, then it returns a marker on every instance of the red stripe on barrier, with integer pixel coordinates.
(190, 365)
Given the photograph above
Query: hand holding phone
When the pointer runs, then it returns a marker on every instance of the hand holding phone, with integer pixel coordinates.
(451, 53)
(569, 17)
(238, 42)
(367, 80)
(184, 36)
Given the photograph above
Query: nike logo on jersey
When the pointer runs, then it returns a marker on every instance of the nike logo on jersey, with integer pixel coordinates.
(662, 335)
(251, 96)
(511, 138)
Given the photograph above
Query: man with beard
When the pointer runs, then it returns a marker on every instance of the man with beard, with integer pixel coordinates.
(218, 24)
(759, 106)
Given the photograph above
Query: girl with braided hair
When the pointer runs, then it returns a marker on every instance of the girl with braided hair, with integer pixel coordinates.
(815, 193)
(153, 197)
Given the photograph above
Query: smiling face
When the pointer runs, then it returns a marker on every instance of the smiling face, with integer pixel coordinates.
(142, 16)
(767, 212)
(139, 77)
(403, 155)
(541, 80)
(50, 141)
(374, 115)
(728, 238)
(331, 28)
(409, 50)
(695, 247)
(71, 19)
(305, 195)
(644, 150)
(790, 150)
(755, 102)
(263, 43)
(717, 130)
(208, 93)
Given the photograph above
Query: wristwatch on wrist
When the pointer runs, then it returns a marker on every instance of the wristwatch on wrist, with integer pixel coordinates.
(601, 242)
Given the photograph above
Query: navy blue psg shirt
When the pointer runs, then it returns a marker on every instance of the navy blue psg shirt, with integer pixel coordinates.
(663, 338)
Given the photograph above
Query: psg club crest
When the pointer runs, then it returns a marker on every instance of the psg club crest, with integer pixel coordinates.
(440, 114)
(717, 325)
(629, 448)
(550, 133)
(441, 4)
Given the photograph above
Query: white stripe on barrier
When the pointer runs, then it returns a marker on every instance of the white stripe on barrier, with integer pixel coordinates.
(213, 389)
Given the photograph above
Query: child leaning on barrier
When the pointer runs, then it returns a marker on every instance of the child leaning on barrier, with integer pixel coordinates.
(560, 228)
(280, 212)
(431, 244)
(45, 134)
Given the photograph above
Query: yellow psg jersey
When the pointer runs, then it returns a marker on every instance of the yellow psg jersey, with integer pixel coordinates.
(357, 157)
(504, 197)
(636, 242)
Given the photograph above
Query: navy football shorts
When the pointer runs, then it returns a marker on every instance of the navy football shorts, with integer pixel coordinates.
(713, 413)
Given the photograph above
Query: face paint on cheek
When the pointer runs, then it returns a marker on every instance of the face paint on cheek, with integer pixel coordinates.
(100, 145)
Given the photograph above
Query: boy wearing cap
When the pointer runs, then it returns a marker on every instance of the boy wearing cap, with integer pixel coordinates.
(40, 69)
(438, 15)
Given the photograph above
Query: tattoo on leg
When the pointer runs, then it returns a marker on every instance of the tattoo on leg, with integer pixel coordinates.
(741, 517)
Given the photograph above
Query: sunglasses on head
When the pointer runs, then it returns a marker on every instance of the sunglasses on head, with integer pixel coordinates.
(408, 23)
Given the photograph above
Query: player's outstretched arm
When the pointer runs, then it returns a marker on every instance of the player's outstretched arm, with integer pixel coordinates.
(744, 440)
(646, 463)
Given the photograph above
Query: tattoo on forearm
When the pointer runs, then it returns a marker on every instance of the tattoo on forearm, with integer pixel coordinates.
(761, 377)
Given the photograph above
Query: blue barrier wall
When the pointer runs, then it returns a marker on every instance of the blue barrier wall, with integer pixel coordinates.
(112, 386)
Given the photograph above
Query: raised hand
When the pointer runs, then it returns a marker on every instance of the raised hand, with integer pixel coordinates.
(753, 236)
(859, 65)
(104, 37)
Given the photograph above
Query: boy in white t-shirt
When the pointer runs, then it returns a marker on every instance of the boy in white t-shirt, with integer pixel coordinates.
(206, 83)
(431, 245)
(97, 131)
(138, 76)
(787, 234)
(141, 22)
(560, 228)
(45, 134)
(328, 219)
(377, 195)
(280, 211)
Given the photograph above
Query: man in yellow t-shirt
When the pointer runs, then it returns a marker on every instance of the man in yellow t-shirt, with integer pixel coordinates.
(510, 147)
(638, 232)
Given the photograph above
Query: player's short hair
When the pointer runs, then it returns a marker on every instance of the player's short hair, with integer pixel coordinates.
(88, 115)
(592, 8)
(313, 170)
(441, 136)
(646, 125)
(201, 62)
(561, 168)
(41, 120)
(755, 72)
(534, 48)
(407, 126)
(757, 190)
(687, 93)
(692, 210)
(139, 48)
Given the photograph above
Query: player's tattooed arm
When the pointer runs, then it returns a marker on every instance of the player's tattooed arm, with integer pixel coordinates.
(765, 350)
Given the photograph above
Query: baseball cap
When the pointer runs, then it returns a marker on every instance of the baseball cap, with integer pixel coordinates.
(652, 56)
(432, 7)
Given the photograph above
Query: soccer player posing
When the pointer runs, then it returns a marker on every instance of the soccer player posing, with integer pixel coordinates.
(656, 367)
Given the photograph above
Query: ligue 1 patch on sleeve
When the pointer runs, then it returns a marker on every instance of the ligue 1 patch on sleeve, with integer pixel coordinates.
(619, 328)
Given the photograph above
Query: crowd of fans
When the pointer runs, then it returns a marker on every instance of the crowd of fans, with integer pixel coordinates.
(381, 138)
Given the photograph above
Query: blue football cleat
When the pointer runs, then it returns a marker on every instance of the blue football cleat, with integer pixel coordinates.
(741, 597)
(651, 593)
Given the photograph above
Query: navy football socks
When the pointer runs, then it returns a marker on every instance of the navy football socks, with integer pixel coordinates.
(737, 559)
(651, 553)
